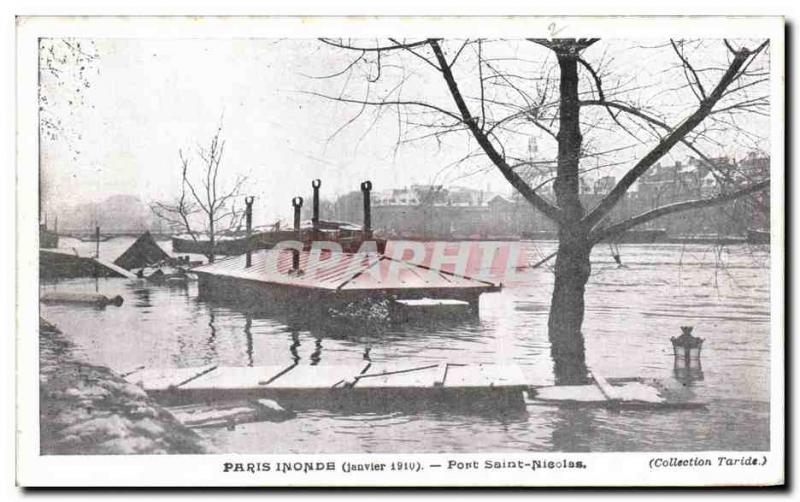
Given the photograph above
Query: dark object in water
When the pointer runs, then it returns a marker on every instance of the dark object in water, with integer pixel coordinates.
(164, 274)
(157, 276)
(95, 238)
(47, 238)
(757, 236)
(95, 299)
(686, 348)
(143, 252)
(61, 263)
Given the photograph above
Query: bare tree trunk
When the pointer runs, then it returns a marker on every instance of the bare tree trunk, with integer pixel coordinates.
(572, 267)
(572, 270)
(578, 229)
(211, 238)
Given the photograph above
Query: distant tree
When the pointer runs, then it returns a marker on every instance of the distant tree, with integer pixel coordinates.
(214, 204)
(565, 93)
(66, 68)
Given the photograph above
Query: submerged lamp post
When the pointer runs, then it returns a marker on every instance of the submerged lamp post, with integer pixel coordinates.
(686, 349)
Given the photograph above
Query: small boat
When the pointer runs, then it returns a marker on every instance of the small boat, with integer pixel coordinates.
(94, 238)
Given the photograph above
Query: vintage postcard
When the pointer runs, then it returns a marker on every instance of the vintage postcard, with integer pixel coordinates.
(350, 251)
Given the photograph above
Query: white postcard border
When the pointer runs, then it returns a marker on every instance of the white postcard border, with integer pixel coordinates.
(602, 469)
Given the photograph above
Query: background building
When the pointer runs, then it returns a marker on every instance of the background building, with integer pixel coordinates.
(436, 211)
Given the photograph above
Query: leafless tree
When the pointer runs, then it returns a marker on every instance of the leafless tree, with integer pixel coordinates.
(703, 96)
(215, 204)
(66, 68)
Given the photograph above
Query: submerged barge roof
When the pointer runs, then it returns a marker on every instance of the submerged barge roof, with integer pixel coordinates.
(341, 272)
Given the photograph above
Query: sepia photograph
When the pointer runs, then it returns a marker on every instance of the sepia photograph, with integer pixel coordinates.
(352, 252)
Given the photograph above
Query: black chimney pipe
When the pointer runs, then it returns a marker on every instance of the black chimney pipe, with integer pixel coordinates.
(315, 184)
(366, 187)
(248, 214)
(297, 202)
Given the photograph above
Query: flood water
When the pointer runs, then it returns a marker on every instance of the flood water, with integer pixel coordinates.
(631, 313)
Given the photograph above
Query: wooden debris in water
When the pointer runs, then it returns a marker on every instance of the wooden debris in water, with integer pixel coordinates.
(95, 299)
(636, 393)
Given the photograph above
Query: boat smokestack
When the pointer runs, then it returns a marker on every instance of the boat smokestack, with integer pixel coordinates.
(297, 202)
(97, 241)
(366, 188)
(248, 214)
(315, 184)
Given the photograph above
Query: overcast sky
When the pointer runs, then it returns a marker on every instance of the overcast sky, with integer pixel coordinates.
(150, 98)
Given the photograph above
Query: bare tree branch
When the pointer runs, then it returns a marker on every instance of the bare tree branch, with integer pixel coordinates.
(516, 181)
(678, 133)
(215, 203)
(616, 229)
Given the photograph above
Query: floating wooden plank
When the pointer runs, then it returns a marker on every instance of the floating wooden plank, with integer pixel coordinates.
(441, 375)
(607, 389)
(485, 375)
(303, 378)
(631, 393)
(234, 378)
(315, 377)
(576, 393)
(125, 373)
(432, 303)
(116, 269)
(166, 378)
(639, 392)
(231, 413)
(398, 376)
(425, 308)
(214, 417)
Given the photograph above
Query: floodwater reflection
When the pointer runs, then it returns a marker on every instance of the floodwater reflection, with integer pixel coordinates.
(631, 314)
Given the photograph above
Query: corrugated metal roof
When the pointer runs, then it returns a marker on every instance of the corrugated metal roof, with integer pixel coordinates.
(339, 271)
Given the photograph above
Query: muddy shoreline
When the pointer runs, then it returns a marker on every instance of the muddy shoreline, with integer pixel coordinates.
(90, 410)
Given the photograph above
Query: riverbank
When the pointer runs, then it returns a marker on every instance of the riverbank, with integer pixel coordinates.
(86, 409)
